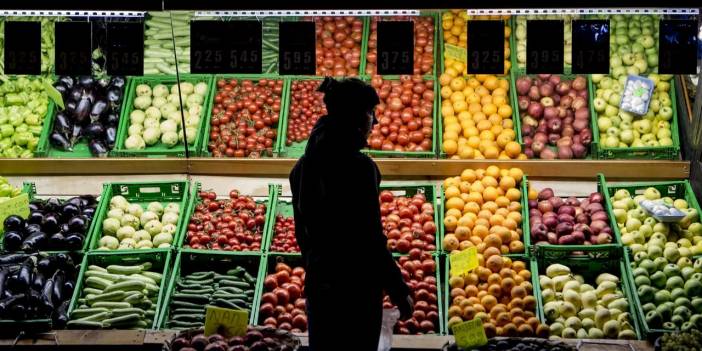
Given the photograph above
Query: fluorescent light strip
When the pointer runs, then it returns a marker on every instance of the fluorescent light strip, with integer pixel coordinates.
(52, 13)
(589, 11)
(298, 13)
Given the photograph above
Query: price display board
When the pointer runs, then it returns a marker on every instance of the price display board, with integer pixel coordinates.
(590, 46)
(395, 47)
(73, 48)
(22, 48)
(486, 47)
(125, 48)
(677, 53)
(225, 47)
(544, 55)
(297, 50)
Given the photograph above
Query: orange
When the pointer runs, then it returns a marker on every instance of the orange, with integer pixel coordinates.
(529, 303)
(494, 263)
(491, 83)
(455, 202)
(506, 272)
(493, 240)
(513, 149)
(496, 220)
(468, 175)
(502, 318)
(483, 273)
(516, 173)
(462, 233)
(471, 290)
(450, 242)
(499, 308)
(454, 311)
(507, 285)
(493, 251)
(513, 194)
(533, 322)
(509, 329)
(518, 291)
(518, 266)
(525, 330)
(450, 147)
(452, 191)
(491, 153)
(517, 320)
(490, 330)
(525, 274)
(488, 301)
(489, 108)
(493, 279)
(516, 246)
(490, 206)
(471, 278)
(468, 313)
(478, 307)
(450, 223)
(490, 193)
(453, 213)
(516, 303)
(495, 290)
(526, 285)
(504, 111)
(480, 230)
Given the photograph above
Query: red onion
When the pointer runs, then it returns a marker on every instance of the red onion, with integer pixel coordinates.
(586, 136)
(580, 124)
(564, 142)
(579, 102)
(537, 146)
(566, 240)
(523, 85)
(582, 113)
(555, 80)
(562, 88)
(597, 226)
(535, 110)
(566, 101)
(544, 76)
(529, 153)
(534, 93)
(553, 138)
(599, 216)
(546, 89)
(604, 238)
(545, 206)
(550, 112)
(523, 103)
(550, 222)
(552, 238)
(556, 202)
(596, 197)
(572, 201)
(539, 231)
(582, 218)
(566, 209)
(540, 136)
(554, 125)
(564, 228)
(563, 217)
(579, 150)
(547, 154)
(533, 204)
(594, 207)
(583, 228)
(568, 131)
(579, 237)
(545, 194)
(527, 141)
(579, 83)
(534, 212)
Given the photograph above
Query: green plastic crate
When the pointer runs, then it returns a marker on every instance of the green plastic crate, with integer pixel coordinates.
(80, 149)
(430, 191)
(194, 200)
(651, 152)
(203, 149)
(160, 258)
(525, 215)
(518, 73)
(295, 150)
(616, 242)
(267, 267)
(34, 326)
(279, 207)
(159, 149)
(679, 189)
(596, 261)
(31, 189)
(447, 288)
(189, 261)
(142, 193)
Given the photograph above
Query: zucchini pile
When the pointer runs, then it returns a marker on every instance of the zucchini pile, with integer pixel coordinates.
(36, 286)
(234, 290)
(117, 297)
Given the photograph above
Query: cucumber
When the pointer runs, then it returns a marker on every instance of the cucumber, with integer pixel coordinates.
(196, 291)
(189, 317)
(95, 268)
(191, 298)
(134, 298)
(92, 291)
(153, 275)
(103, 275)
(123, 311)
(177, 311)
(236, 284)
(138, 277)
(185, 304)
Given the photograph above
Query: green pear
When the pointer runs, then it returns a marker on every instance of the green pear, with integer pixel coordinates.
(632, 223)
(695, 228)
(680, 204)
(652, 193)
(671, 254)
(654, 251)
(621, 194)
(646, 230)
(661, 228)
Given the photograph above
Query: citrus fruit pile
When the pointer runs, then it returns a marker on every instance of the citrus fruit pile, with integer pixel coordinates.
(456, 33)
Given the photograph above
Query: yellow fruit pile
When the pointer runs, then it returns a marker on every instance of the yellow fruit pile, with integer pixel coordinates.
(456, 33)
(477, 117)
(483, 209)
(499, 292)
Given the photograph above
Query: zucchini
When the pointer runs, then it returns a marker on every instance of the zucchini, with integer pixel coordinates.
(231, 289)
(123, 311)
(201, 275)
(198, 283)
(151, 288)
(112, 304)
(103, 275)
(134, 298)
(197, 291)
(251, 279)
(191, 297)
(92, 291)
(225, 295)
(127, 270)
(110, 296)
(150, 313)
(236, 284)
(189, 317)
(139, 277)
(153, 275)
(78, 324)
(95, 268)
(121, 320)
(236, 271)
(186, 304)
(129, 285)
(96, 317)
(229, 304)
(84, 312)
(98, 283)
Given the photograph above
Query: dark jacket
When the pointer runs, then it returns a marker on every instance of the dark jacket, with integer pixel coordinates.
(337, 214)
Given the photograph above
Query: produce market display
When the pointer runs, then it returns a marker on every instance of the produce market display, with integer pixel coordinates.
(483, 209)
(555, 116)
(423, 44)
(52, 225)
(91, 117)
(245, 117)
(24, 106)
(283, 299)
(37, 287)
(339, 42)
(405, 115)
(455, 32)
(232, 224)
(118, 295)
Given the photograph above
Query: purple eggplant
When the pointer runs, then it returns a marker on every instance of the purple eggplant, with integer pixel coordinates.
(111, 119)
(35, 217)
(69, 210)
(94, 130)
(12, 240)
(82, 110)
(70, 107)
(86, 81)
(74, 241)
(114, 95)
(51, 223)
(62, 123)
(77, 224)
(97, 110)
(59, 141)
(61, 89)
(118, 81)
(57, 241)
(52, 204)
(76, 134)
(75, 94)
(13, 223)
(98, 148)
(67, 81)
(111, 137)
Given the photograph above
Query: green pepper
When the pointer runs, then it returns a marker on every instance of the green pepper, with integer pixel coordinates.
(16, 118)
(26, 154)
(5, 143)
(35, 130)
(6, 130)
(22, 128)
(32, 144)
(22, 138)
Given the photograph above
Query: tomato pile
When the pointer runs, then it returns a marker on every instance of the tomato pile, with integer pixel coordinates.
(306, 106)
(234, 224)
(284, 239)
(404, 114)
(283, 303)
(418, 270)
(339, 45)
(423, 44)
(244, 118)
(408, 222)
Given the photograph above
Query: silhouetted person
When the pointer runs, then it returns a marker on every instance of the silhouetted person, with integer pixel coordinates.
(338, 226)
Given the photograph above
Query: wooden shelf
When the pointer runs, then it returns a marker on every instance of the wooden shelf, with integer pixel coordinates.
(391, 168)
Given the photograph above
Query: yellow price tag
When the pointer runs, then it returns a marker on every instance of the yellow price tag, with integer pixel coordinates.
(470, 334)
(464, 261)
(18, 205)
(226, 321)
(456, 52)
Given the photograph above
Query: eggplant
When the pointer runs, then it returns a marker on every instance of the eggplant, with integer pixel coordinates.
(118, 81)
(59, 141)
(57, 241)
(13, 222)
(12, 241)
(21, 281)
(86, 81)
(75, 201)
(35, 217)
(47, 293)
(50, 224)
(34, 242)
(75, 94)
(52, 204)
(90, 212)
(98, 148)
(66, 81)
(69, 210)
(9, 301)
(89, 200)
(111, 137)
(61, 315)
(71, 107)
(94, 130)
(4, 273)
(99, 107)
(61, 89)
(83, 109)
(62, 123)
(64, 228)
(47, 265)
(38, 281)
(74, 241)
(114, 95)
(34, 206)
(77, 224)
(12, 259)
(68, 287)
(57, 288)
(111, 119)
(31, 229)
(64, 261)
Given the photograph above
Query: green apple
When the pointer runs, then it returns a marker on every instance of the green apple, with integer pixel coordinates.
(671, 254)
(641, 65)
(637, 143)
(621, 39)
(619, 71)
(596, 78)
(626, 116)
(695, 229)
(665, 142)
(611, 111)
(600, 105)
(632, 224)
(652, 60)
(611, 142)
(627, 136)
(646, 230)
(625, 125)
(633, 71)
(663, 86)
(665, 100)
(680, 204)
(615, 99)
(654, 251)
(606, 83)
(620, 214)
(621, 194)
(644, 126)
(647, 41)
(665, 113)
(652, 193)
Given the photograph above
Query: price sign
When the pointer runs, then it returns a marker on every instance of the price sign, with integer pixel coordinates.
(297, 52)
(455, 52)
(590, 46)
(125, 48)
(544, 56)
(395, 47)
(486, 47)
(18, 205)
(469, 334)
(225, 321)
(23, 48)
(73, 48)
(463, 262)
(225, 47)
(677, 53)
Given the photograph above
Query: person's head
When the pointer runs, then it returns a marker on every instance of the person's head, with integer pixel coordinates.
(351, 99)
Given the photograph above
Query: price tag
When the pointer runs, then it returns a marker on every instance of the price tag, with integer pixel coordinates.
(297, 52)
(225, 321)
(470, 334)
(18, 205)
(463, 262)
(73, 48)
(590, 46)
(395, 47)
(544, 56)
(677, 53)
(23, 48)
(486, 47)
(225, 47)
(456, 53)
(125, 48)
